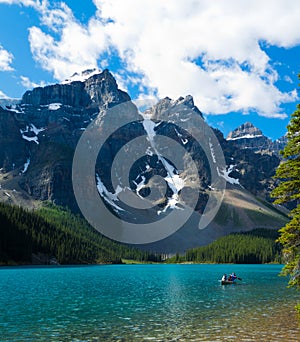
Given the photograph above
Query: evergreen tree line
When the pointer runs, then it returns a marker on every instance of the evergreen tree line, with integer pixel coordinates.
(59, 234)
(288, 192)
(254, 247)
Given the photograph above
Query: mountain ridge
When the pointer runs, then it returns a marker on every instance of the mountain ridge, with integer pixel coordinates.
(39, 136)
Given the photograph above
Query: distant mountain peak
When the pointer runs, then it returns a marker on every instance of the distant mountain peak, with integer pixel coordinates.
(82, 76)
(247, 136)
(6, 101)
(245, 131)
(167, 104)
(89, 88)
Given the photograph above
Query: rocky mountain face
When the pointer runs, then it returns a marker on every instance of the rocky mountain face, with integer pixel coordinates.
(257, 158)
(247, 136)
(40, 133)
(38, 137)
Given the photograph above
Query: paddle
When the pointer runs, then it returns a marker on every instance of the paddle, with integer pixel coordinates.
(239, 278)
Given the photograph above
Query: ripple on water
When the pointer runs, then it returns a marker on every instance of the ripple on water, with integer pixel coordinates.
(160, 303)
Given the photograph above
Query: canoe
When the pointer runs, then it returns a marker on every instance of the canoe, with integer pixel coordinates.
(227, 282)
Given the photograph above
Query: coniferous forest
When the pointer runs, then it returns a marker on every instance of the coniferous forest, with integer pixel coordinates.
(253, 247)
(55, 234)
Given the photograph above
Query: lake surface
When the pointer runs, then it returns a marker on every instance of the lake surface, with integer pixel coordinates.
(146, 302)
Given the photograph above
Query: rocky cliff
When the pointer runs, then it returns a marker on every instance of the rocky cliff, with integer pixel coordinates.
(98, 90)
(39, 134)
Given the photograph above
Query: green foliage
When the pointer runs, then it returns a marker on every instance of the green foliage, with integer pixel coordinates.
(57, 233)
(227, 214)
(176, 259)
(273, 208)
(264, 218)
(254, 247)
(288, 191)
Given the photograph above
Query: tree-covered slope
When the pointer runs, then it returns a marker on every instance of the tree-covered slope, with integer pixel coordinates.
(58, 234)
(254, 247)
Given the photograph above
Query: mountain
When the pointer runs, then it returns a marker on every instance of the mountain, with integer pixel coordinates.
(247, 136)
(6, 102)
(39, 134)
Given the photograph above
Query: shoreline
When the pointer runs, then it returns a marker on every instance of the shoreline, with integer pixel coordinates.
(126, 262)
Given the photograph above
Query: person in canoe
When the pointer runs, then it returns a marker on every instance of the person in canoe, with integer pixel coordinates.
(224, 278)
(232, 277)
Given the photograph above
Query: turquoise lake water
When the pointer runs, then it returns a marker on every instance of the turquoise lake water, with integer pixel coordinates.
(146, 302)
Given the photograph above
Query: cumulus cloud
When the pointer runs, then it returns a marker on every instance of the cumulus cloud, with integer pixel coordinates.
(27, 83)
(77, 48)
(213, 50)
(209, 49)
(6, 59)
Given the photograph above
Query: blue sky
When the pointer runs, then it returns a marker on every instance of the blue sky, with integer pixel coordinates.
(238, 59)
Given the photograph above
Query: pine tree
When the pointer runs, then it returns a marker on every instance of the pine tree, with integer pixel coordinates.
(288, 191)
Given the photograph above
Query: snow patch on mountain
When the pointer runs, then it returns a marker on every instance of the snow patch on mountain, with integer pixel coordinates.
(108, 196)
(82, 76)
(149, 127)
(34, 139)
(175, 182)
(31, 129)
(26, 165)
(140, 185)
(54, 106)
(212, 151)
(173, 179)
(14, 108)
(246, 136)
(183, 140)
(36, 130)
(225, 174)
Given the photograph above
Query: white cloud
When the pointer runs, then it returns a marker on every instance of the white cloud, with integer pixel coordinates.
(77, 48)
(2, 95)
(6, 59)
(209, 49)
(145, 101)
(288, 79)
(164, 39)
(27, 83)
(33, 3)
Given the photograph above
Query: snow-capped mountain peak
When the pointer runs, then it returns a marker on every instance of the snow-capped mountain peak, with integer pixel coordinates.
(81, 76)
(247, 136)
(245, 131)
